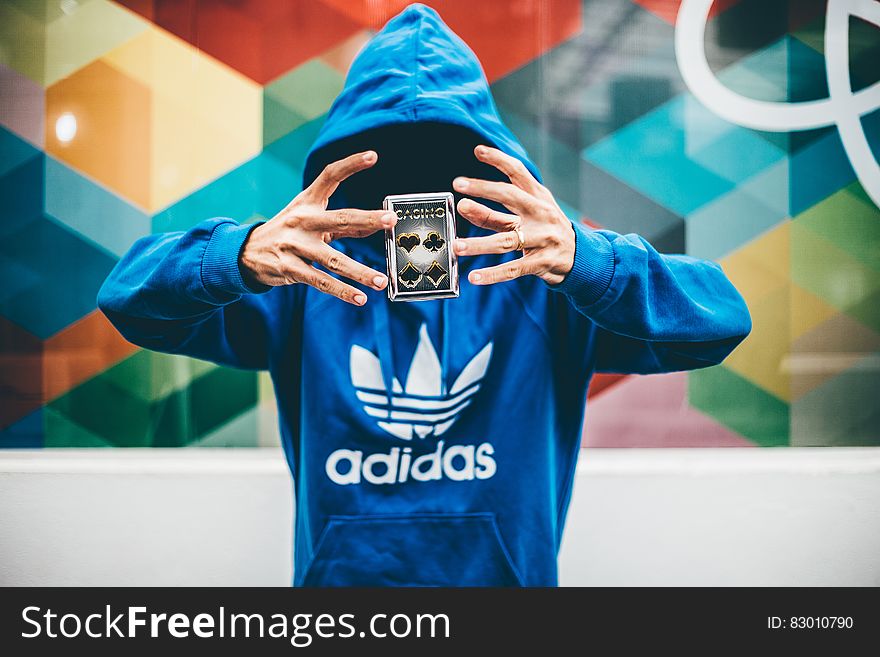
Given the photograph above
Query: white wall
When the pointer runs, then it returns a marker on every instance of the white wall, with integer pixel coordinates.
(638, 517)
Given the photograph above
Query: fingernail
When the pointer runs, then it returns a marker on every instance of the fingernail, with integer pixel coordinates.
(369, 156)
(388, 220)
(460, 246)
(465, 204)
(481, 150)
(360, 299)
(475, 277)
(379, 281)
(460, 183)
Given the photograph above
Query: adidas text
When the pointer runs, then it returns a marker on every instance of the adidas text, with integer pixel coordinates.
(458, 463)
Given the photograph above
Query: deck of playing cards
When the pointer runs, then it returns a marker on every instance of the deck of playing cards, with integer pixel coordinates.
(421, 263)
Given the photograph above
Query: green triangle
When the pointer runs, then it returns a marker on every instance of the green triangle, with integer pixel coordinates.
(59, 431)
(44, 11)
(842, 412)
(307, 90)
(87, 32)
(850, 222)
(739, 405)
(858, 191)
(171, 421)
(241, 431)
(278, 120)
(828, 271)
(867, 310)
(204, 406)
(150, 375)
(237, 388)
(22, 42)
(123, 416)
(108, 411)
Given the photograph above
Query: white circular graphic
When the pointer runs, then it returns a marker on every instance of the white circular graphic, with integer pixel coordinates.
(842, 108)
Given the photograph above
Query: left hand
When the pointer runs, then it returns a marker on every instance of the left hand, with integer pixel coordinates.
(547, 234)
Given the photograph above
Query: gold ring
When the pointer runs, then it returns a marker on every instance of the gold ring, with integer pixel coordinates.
(522, 241)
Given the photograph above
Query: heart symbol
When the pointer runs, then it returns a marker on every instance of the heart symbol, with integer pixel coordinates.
(408, 241)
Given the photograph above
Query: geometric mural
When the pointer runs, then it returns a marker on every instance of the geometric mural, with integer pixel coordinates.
(120, 119)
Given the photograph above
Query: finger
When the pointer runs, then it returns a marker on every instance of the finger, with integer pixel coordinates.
(350, 222)
(334, 173)
(511, 167)
(324, 282)
(484, 217)
(504, 242)
(510, 196)
(507, 271)
(498, 243)
(342, 265)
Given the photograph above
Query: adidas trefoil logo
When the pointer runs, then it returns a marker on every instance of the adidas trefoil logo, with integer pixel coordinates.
(423, 406)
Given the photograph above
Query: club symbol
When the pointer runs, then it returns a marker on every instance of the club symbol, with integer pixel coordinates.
(434, 242)
(410, 276)
(435, 273)
(408, 241)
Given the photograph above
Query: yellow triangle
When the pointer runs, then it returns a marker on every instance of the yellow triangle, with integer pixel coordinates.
(205, 118)
(761, 357)
(807, 311)
(761, 267)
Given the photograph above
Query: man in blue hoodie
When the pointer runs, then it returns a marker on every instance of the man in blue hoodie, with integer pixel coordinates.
(430, 443)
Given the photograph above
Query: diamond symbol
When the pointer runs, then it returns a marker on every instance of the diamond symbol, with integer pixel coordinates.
(435, 273)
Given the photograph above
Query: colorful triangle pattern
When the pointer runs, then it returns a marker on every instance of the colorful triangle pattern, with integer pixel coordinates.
(121, 119)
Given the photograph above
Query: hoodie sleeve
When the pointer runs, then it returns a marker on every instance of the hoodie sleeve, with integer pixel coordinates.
(655, 313)
(183, 293)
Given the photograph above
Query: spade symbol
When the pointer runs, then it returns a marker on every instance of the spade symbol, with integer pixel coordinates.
(435, 273)
(434, 242)
(410, 276)
(408, 241)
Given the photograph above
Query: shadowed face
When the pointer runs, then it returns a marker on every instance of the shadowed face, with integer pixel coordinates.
(413, 158)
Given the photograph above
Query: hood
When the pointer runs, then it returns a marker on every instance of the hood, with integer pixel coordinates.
(417, 95)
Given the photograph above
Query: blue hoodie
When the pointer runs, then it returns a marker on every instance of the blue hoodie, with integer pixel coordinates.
(430, 443)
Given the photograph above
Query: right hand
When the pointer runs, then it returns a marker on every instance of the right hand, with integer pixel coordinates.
(282, 250)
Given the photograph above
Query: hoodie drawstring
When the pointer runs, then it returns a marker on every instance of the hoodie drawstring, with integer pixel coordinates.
(382, 328)
(444, 342)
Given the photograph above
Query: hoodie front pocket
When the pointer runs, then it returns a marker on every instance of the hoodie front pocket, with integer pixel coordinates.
(423, 549)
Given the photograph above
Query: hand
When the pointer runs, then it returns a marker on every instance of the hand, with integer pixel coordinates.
(281, 251)
(547, 234)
